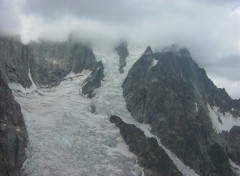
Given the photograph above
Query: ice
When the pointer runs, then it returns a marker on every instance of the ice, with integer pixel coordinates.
(66, 139)
(222, 122)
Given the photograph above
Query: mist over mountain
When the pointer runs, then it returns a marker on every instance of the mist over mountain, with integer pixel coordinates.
(132, 87)
(209, 29)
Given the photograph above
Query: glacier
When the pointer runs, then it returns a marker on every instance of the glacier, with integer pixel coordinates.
(67, 139)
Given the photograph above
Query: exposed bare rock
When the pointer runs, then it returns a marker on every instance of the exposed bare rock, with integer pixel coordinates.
(123, 53)
(171, 93)
(93, 81)
(13, 135)
(150, 156)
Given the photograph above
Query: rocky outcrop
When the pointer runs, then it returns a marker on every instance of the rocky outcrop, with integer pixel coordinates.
(52, 61)
(13, 61)
(150, 156)
(46, 62)
(123, 53)
(13, 135)
(233, 139)
(93, 81)
(170, 92)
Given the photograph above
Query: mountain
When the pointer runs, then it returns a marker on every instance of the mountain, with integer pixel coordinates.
(39, 64)
(171, 93)
(123, 111)
(13, 135)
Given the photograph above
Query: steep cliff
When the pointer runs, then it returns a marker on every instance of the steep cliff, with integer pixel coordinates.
(150, 155)
(93, 81)
(13, 61)
(13, 135)
(171, 93)
(47, 63)
(52, 61)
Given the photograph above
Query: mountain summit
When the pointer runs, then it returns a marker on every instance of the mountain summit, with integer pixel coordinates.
(171, 93)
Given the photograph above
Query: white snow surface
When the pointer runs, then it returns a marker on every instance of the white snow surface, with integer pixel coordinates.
(154, 63)
(66, 139)
(235, 167)
(33, 86)
(196, 107)
(222, 122)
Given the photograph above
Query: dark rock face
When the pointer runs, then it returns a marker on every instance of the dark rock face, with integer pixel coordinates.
(52, 61)
(13, 61)
(233, 139)
(123, 54)
(150, 156)
(219, 158)
(170, 92)
(94, 80)
(13, 135)
(48, 62)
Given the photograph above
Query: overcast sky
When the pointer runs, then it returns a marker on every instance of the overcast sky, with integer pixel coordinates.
(209, 28)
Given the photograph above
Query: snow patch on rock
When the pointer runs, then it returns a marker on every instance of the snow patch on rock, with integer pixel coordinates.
(33, 86)
(154, 63)
(196, 107)
(235, 167)
(222, 122)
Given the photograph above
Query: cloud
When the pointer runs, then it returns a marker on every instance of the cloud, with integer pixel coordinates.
(209, 28)
(9, 20)
(232, 87)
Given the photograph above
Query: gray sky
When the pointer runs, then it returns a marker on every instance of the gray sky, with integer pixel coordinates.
(209, 28)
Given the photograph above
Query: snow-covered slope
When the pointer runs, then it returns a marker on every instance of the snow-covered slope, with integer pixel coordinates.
(66, 138)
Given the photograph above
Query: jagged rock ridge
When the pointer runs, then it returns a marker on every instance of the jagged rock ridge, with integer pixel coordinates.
(47, 62)
(93, 81)
(171, 93)
(150, 155)
(14, 64)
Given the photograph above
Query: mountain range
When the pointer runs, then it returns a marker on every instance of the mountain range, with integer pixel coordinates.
(157, 113)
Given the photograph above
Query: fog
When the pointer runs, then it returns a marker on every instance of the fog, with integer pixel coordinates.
(209, 28)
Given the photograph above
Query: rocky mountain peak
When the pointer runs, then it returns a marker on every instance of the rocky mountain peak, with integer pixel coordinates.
(148, 51)
(169, 91)
(188, 121)
(122, 51)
